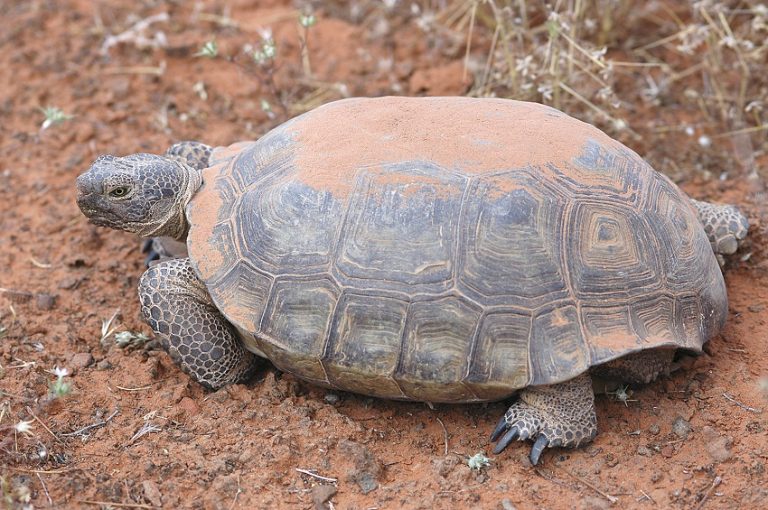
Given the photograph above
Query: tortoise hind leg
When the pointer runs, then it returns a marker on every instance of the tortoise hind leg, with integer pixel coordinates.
(554, 415)
(725, 226)
(176, 304)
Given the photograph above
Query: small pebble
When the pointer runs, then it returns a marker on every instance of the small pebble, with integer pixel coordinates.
(506, 504)
(654, 429)
(321, 494)
(45, 302)
(681, 427)
(152, 493)
(332, 398)
(81, 360)
(643, 450)
(104, 365)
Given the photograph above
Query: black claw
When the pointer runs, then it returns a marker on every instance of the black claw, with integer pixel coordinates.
(510, 436)
(538, 447)
(500, 428)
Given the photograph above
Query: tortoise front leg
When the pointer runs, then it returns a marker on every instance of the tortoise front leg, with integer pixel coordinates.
(725, 226)
(554, 415)
(176, 304)
(194, 154)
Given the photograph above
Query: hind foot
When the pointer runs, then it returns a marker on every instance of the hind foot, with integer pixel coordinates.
(554, 415)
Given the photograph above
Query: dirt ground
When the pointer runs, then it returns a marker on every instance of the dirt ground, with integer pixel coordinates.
(135, 432)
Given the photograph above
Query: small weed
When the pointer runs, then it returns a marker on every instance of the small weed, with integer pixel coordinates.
(24, 428)
(306, 20)
(107, 329)
(53, 116)
(209, 50)
(60, 388)
(130, 339)
(622, 394)
(478, 461)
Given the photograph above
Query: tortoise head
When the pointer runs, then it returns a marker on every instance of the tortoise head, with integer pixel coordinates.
(141, 193)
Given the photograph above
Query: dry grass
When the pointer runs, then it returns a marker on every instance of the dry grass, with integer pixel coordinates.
(605, 61)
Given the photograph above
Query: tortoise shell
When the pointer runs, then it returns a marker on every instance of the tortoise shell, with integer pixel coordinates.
(449, 249)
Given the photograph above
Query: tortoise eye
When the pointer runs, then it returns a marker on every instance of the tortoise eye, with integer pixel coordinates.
(119, 192)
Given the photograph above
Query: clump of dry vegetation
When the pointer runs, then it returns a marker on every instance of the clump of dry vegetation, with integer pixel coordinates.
(604, 61)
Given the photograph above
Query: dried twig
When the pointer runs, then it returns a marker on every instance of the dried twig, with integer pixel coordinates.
(743, 406)
(717, 481)
(612, 499)
(45, 489)
(85, 429)
(315, 475)
(38, 420)
(107, 504)
(445, 434)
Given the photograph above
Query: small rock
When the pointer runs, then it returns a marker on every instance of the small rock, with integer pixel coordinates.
(104, 364)
(506, 504)
(668, 451)
(152, 493)
(331, 398)
(69, 283)
(367, 467)
(321, 494)
(681, 427)
(718, 447)
(756, 308)
(45, 302)
(445, 465)
(643, 450)
(81, 360)
(188, 406)
(656, 476)
(654, 429)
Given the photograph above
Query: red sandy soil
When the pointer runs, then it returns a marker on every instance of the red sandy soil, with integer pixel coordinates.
(697, 439)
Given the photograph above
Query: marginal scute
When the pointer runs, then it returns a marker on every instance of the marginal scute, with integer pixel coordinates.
(436, 349)
(242, 295)
(297, 323)
(500, 362)
(557, 348)
(365, 344)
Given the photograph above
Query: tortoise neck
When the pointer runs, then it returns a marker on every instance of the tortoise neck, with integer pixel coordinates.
(173, 223)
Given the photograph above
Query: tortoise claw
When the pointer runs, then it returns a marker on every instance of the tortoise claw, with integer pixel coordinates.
(148, 247)
(538, 447)
(500, 428)
(510, 436)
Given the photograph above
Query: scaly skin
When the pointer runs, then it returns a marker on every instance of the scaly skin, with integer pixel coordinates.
(176, 304)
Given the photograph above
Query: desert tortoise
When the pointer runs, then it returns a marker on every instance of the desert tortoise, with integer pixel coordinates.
(431, 249)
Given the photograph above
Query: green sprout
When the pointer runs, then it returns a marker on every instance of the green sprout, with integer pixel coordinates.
(266, 53)
(478, 462)
(53, 116)
(60, 388)
(307, 20)
(209, 50)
